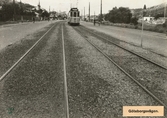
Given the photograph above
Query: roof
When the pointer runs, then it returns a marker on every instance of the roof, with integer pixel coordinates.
(74, 9)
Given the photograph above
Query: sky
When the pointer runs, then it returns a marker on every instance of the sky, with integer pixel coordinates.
(64, 5)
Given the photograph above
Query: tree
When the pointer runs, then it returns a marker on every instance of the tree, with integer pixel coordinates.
(7, 11)
(5, 1)
(144, 10)
(44, 14)
(134, 20)
(121, 15)
(158, 15)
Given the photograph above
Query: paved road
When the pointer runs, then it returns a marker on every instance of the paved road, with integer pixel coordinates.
(12, 33)
(156, 42)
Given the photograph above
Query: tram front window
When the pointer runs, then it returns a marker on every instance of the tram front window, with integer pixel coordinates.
(75, 14)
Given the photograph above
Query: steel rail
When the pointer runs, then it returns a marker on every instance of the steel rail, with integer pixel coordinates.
(139, 55)
(24, 55)
(126, 73)
(65, 77)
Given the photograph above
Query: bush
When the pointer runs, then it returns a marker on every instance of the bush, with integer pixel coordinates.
(164, 25)
(136, 27)
(134, 20)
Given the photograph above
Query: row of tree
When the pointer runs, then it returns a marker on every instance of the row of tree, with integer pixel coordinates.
(120, 15)
(5, 1)
(10, 10)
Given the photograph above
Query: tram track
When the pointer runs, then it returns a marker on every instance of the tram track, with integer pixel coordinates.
(96, 87)
(114, 42)
(34, 85)
(65, 76)
(24, 55)
(11, 53)
(137, 81)
(39, 85)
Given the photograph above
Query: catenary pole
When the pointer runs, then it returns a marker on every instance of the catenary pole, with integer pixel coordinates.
(89, 11)
(84, 13)
(101, 12)
(165, 10)
(14, 11)
(143, 14)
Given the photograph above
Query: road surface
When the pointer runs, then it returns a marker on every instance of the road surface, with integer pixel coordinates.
(13, 33)
(156, 42)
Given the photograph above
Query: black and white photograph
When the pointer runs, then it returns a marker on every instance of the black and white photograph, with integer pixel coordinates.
(83, 58)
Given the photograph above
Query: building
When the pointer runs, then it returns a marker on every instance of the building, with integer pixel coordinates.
(53, 15)
(152, 11)
(148, 18)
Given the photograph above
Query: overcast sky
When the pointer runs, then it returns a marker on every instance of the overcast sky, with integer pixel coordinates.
(64, 5)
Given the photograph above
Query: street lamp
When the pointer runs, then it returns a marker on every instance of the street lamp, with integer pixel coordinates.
(143, 14)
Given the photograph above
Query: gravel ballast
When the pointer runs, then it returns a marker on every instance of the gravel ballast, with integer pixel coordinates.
(96, 87)
(148, 74)
(34, 89)
(161, 59)
(10, 54)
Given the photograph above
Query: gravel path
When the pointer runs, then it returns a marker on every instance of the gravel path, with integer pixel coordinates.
(97, 89)
(35, 88)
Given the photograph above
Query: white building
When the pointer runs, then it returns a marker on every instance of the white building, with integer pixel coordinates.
(148, 18)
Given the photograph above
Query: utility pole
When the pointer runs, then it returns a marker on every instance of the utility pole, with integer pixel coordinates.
(89, 11)
(21, 11)
(165, 10)
(84, 13)
(143, 14)
(94, 19)
(165, 17)
(14, 13)
(101, 12)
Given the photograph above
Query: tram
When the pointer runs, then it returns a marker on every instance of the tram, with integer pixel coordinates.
(73, 17)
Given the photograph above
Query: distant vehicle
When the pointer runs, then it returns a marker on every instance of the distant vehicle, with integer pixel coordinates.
(73, 16)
